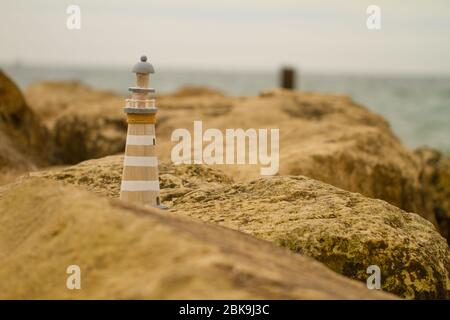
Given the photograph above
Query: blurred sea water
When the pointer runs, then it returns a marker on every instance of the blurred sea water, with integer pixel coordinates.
(418, 108)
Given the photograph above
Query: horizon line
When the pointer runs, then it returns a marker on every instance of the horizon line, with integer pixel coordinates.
(235, 69)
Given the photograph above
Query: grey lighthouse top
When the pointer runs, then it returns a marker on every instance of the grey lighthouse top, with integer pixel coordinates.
(143, 67)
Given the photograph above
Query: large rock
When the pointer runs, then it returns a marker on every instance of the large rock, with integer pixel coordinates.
(127, 252)
(24, 142)
(89, 123)
(86, 123)
(12, 159)
(436, 182)
(103, 176)
(323, 136)
(346, 231)
(195, 91)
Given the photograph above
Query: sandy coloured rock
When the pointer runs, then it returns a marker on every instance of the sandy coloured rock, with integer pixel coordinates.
(86, 123)
(103, 176)
(127, 252)
(24, 142)
(435, 178)
(324, 136)
(346, 231)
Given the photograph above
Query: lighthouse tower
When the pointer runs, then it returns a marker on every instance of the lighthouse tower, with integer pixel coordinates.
(140, 181)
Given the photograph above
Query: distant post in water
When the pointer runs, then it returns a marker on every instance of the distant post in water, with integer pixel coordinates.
(288, 78)
(140, 178)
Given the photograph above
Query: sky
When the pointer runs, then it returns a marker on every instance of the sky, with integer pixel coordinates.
(313, 35)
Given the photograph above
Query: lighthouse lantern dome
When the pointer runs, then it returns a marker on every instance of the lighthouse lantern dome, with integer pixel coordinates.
(143, 67)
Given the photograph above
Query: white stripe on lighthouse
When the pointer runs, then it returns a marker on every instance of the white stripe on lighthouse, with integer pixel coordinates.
(144, 140)
(140, 161)
(139, 185)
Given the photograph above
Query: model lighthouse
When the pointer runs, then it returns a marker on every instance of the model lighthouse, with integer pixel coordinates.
(140, 181)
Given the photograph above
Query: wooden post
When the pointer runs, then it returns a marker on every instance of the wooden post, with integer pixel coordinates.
(288, 78)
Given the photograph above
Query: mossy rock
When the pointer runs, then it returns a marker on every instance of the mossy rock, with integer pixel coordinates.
(346, 231)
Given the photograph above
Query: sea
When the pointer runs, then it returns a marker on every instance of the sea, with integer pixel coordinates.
(417, 107)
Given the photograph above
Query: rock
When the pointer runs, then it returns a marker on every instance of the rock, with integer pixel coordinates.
(324, 136)
(103, 176)
(24, 142)
(195, 91)
(346, 231)
(86, 123)
(89, 123)
(12, 159)
(435, 179)
(51, 99)
(127, 252)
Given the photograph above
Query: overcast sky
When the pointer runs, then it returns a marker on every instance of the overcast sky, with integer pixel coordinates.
(315, 35)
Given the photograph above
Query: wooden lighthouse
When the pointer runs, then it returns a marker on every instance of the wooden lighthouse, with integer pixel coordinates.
(140, 179)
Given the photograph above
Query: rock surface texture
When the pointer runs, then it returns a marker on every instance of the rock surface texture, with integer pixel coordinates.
(346, 231)
(436, 183)
(132, 252)
(324, 136)
(126, 252)
(86, 123)
(24, 142)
